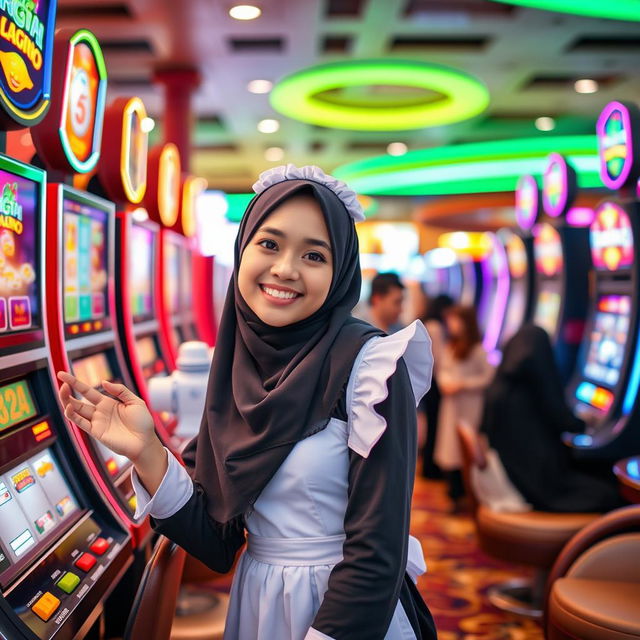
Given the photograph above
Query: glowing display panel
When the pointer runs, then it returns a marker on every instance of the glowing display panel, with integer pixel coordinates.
(611, 238)
(34, 500)
(608, 340)
(19, 286)
(547, 250)
(186, 277)
(16, 404)
(85, 264)
(548, 308)
(141, 271)
(172, 280)
(150, 361)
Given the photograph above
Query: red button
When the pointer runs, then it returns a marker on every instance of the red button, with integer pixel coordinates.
(85, 561)
(99, 546)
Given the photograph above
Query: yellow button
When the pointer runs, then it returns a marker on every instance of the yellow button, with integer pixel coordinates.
(46, 606)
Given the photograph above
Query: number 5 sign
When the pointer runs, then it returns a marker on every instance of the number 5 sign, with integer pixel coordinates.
(69, 138)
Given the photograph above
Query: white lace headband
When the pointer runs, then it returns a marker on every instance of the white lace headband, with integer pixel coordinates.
(314, 174)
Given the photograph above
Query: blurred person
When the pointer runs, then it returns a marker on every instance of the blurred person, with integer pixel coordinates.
(524, 418)
(385, 302)
(463, 374)
(433, 320)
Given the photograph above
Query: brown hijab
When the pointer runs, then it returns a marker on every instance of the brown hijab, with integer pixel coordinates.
(270, 387)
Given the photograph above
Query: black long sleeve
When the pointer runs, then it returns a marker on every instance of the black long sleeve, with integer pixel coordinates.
(364, 587)
(192, 528)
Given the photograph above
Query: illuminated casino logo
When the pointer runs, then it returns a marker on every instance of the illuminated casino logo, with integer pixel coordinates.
(548, 250)
(555, 188)
(23, 480)
(11, 209)
(517, 256)
(611, 238)
(617, 129)
(26, 46)
(527, 202)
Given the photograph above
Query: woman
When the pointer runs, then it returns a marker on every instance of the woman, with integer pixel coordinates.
(524, 418)
(308, 439)
(429, 408)
(463, 374)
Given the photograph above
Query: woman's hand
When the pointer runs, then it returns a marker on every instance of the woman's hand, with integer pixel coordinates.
(124, 425)
(449, 387)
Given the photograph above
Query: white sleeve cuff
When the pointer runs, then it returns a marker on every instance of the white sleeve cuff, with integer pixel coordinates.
(173, 493)
(314, 634)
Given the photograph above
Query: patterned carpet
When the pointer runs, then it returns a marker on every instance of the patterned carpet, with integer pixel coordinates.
(459, 573)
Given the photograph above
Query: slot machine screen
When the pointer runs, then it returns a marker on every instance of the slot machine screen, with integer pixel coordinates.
(548, 308)
(150, 360)
(608, 340)
(611, 238)
(172, 277)
(517, 303)
(547, 249)
(85, 268)
(19, 260)
(141, 271)
(186, 275)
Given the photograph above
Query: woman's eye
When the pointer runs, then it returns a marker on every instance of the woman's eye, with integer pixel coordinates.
(268, 244)
(316, 257)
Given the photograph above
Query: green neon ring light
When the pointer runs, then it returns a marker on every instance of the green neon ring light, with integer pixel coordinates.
(296, 95)
(480, 167)
(617, 10)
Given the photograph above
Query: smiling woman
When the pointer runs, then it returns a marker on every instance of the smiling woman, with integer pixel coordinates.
(286, 269)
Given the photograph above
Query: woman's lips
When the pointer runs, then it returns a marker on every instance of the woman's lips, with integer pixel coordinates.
(279, 296)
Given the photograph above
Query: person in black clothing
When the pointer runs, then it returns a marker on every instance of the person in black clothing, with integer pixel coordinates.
(525, 415)
(433, 320)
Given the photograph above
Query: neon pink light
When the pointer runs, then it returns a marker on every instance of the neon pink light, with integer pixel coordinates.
(527, 202)
(615, 145)
(555, 191)
(580, 216)
(498, 266)
(611, 238)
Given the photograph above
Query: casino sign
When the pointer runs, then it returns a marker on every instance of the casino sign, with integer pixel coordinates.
(26, 48)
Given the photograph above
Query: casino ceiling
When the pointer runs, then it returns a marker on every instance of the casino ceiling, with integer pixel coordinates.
(528, 59)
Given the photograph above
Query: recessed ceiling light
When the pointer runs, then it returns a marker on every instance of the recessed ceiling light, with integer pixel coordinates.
(245, 12)
(268, 125)
(147, 124)
(260, 86)
(274, 154)
(586, 85)
(397, 149)
(545, 123)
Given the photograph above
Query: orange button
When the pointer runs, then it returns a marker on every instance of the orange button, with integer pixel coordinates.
(45, 607)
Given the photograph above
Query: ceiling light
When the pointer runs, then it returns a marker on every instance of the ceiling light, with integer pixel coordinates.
(545, 123)
(260, 86)
(147, 125)
(397, 149)
(274, 154)
(268, 125)
(245, 12)
(140, 214)
(586, 85)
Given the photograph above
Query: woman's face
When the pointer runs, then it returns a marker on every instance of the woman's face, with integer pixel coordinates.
(455, 325)
(286, 268)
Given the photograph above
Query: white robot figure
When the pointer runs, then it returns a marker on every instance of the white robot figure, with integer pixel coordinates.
(183, 392)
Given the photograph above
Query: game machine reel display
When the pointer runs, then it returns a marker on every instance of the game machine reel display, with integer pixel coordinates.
(561, 261)
(80, 262)
(62, 548)
(605, 387)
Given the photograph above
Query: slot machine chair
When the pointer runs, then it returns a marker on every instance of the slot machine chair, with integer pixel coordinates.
(532, 538)
(155, 603)
(593, 590)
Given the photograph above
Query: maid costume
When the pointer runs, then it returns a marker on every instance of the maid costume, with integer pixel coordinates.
(307, 453)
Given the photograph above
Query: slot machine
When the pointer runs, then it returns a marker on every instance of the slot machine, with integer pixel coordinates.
(604, 390)
(62, 547)
(80, 254)
(561, 262)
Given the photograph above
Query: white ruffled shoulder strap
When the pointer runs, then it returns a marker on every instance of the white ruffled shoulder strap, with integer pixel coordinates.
(367, 387)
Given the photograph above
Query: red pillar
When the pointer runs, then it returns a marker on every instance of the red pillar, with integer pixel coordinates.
(179, 85)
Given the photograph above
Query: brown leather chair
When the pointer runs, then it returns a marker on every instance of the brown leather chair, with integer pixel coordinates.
(532, 538)
(155, 602)
(593, 590)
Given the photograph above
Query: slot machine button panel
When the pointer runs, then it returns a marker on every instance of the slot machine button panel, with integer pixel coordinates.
(85, 562)
(99, 546)
(46, 606)
(68, 582)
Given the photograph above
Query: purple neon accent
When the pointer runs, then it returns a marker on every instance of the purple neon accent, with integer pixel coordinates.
(580, 216)
(526, 217)
(555, 159)
(500, 294)
(620, 181)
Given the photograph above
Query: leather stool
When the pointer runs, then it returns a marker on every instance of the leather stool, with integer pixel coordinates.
(594, 587)
(532, 538)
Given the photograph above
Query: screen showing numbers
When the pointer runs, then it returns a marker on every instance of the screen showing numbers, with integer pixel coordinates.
(16, 404)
